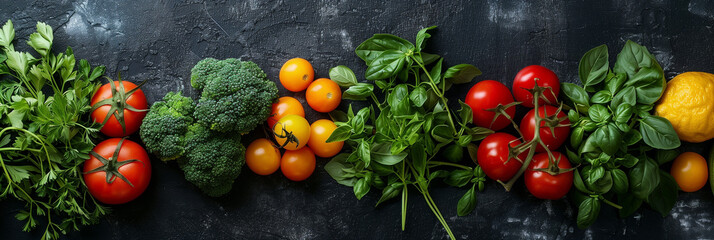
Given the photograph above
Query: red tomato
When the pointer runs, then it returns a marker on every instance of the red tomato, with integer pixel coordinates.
(486, 95)
(552, 141)
(299, 164)
(131, 163)
(525, 79)
(545, 186)
(492, 155)
(285, 106)
(122, 101)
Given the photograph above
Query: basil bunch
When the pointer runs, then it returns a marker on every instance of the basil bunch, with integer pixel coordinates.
(395, 142)
(614, 134)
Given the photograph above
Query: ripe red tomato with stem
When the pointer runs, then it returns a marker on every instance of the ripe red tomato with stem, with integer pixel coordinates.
(487, 95)
(526, 79)
(119, 106)
(493, 156)
(549, 180)
(117, 171)
(551, 117)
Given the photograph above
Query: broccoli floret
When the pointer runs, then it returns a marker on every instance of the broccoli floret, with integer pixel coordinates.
(213, 159)
(164, 127)
(236, 96)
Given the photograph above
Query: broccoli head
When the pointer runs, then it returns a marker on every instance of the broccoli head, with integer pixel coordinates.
(236, 95)
(164, 127)
(213, 159)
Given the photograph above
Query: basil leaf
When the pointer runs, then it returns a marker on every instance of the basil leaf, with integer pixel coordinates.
(335, 168)
(465, 113)
(663, 198)
(649, 85)
(341, 133)
(632, 137)
(659, 133)
(435, 72)
(615, 84)
(386, 65)
(629, 204)
(608, 138)
(381, 153)
(398, 100)
(361, 188)
(632, 58)
(576, 94)
(467, 203)
(602, 96)
(418, 96)
(644, 178)
(418, 157)
(572, 156)
(421, 36)
(626, 96)
(577, 137)
(593, 66)
(363, 152)
(343, 76)
(579, 184)
(358, 92)
(602, 185)
(665, 156)
(391, 191)
(462, 73)
(458, 178)
(599, 113)
(442, 133)
(594, 174)
(372, 48)
(623, 113)
(429, 58)
(588, 212)
(620, 184)
(629, 161)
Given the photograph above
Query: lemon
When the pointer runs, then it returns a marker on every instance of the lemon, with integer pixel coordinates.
(688, 103)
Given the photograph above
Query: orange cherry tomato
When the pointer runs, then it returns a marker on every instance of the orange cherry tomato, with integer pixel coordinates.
(323, 95)
(296, 74)
(292, 132)
(262, 157)
(690, 171)
(285, 106)
(320, 130)
(298, 165)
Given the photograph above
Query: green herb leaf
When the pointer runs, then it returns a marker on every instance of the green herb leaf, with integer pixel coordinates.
(619, 180)
(599, 113)
(391, 191)
(342, 133)
(442, 133)
(632, 137)
(421, 36)
(435, 72)
(616, 83)
(387, 65)
(429, 58)
(418, 96)
(632, 58)
(462, 73)
(601, 185)
(7, 34)
(576, 94)
(588, 212)
(663, 198)
(629, 204)
(363, 152)
(623, 113)
(41, 40)
(381, 153)
(644, 178)
(659, 133)
(343, 76)
(577, 136)
(649, 85)
(358, 92)
(361, 188)
(665, 156)
(602, 96)
(467, 203)
(418, 156)
(626, 96)
(593, 66)
(372, 48)
(459, 177)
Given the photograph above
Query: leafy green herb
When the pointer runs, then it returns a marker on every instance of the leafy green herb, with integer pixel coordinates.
(46, 136)
(412, 124)
(612, 109)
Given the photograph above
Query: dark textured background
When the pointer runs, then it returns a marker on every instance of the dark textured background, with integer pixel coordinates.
(161, 41)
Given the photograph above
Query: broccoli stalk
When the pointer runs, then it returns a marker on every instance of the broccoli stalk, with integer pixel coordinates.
(204, 135)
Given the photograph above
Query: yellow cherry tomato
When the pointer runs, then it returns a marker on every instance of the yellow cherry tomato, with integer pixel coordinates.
(262, 157)
(320, 130)
(292, 132)
(690, 171)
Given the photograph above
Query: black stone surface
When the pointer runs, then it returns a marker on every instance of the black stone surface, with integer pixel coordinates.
(161, 41)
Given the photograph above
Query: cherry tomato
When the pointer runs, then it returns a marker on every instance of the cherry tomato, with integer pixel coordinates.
(525, 79)
(292, 132)
(690, 171)
(262, 157)
(109, 103)
(545, 186)
(285, 106)
(492, 156)
(323, 95)
(296, 74)
(320, 130)
(486, 95)
(298, 165)
(130, 171)
(552, 141)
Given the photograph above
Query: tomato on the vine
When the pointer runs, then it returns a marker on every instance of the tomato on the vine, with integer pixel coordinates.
(561, 128)
(525, 79)
(262, 157)
(119, 98)
(292, 132)
(492, 156)
(690, 171)
(320, 131)
(543, 185)
(285, 106)
(487, 95)
(296, 74)
(298, 165)
(117, 171)
(323, 95)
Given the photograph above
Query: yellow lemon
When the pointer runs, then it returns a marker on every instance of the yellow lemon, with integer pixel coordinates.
(688, 103)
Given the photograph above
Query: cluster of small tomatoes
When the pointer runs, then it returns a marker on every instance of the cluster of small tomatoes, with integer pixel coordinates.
(501, 154)
(300, 139)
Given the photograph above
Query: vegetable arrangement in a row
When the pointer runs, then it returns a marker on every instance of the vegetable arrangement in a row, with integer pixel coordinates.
(611, 138)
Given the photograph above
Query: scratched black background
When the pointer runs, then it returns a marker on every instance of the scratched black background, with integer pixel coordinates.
(162, 40)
